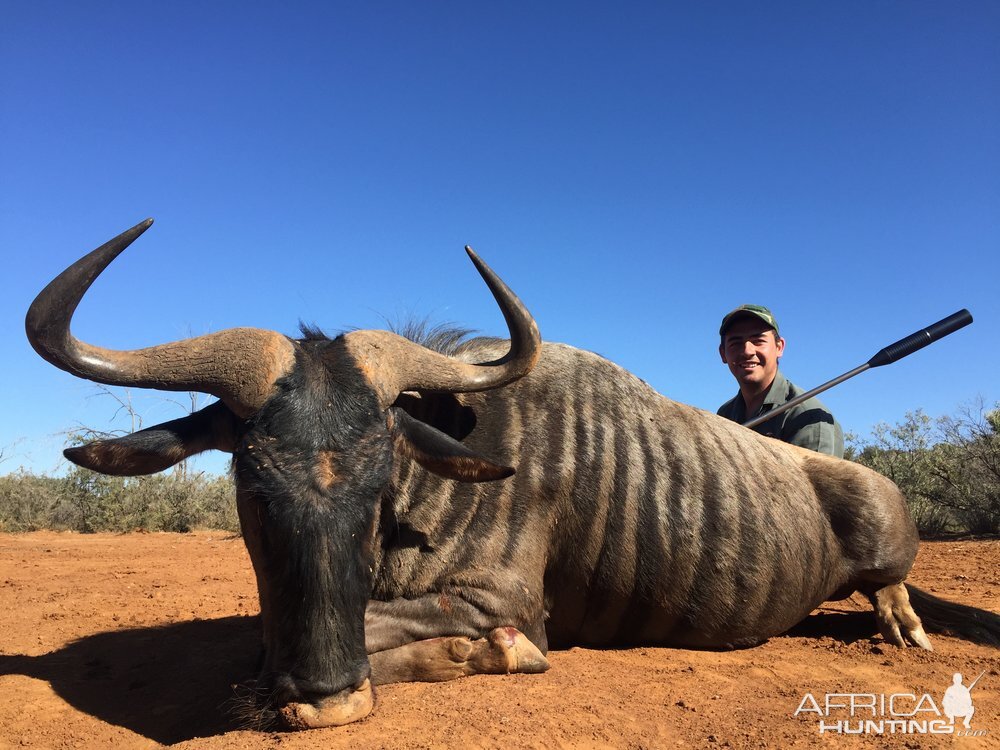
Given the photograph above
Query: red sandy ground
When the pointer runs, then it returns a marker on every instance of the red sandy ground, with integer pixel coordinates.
(133, 642)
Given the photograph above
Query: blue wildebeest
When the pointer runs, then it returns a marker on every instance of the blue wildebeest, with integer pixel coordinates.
(391, 541)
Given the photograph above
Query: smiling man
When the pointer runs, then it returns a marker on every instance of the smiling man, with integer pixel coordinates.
(752, 346)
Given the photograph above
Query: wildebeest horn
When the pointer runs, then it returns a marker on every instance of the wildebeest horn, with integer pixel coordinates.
(239, 365)
(396, 364)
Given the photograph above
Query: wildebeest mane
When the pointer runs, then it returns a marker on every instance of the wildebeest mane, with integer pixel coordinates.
(312, 332)
(445, 338)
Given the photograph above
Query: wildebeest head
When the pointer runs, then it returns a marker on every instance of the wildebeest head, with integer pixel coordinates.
(313, 430)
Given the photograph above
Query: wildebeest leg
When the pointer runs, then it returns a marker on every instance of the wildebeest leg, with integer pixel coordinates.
(896, 619)
(461, 611)
(503, 651)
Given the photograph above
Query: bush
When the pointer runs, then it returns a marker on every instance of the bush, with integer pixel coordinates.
(29, 502)
(88, 502)
(949, 468)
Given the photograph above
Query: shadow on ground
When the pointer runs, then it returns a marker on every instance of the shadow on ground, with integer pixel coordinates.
(169, 683)
(174, 683)
(845, 627)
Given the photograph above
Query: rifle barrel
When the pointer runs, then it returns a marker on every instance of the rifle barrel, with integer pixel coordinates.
(892, 353)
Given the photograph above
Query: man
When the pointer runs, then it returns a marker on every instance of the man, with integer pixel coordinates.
(752, 346)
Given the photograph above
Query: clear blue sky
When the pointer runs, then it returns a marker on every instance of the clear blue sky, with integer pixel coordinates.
(632, 170)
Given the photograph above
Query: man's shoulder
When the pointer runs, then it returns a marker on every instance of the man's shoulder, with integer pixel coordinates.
(811, 425)
(810, 404)
(732, 409)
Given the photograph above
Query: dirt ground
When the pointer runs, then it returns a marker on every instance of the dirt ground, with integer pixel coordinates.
(134, 642)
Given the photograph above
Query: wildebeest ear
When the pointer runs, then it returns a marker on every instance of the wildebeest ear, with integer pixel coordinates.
(442, 411)
(157, 448)
(441, 453)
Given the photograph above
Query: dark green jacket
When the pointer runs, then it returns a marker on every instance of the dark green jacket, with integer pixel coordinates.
(810, 424)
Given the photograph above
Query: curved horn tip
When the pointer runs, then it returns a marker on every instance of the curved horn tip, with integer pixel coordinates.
(478, 262)
(132, 234)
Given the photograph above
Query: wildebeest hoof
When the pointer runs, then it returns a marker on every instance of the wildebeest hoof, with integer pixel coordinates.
(896, 619)
(521, 654)
(343, 708)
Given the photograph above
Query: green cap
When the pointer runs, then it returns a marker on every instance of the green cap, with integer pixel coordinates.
(753, 311)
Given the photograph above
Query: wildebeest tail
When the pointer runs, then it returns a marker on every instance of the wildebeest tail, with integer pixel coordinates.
(959, 620)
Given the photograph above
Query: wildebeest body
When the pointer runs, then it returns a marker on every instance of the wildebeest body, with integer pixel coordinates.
(414, 515)
(632, 519)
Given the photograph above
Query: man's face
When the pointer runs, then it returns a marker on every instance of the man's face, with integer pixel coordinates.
(751, 349)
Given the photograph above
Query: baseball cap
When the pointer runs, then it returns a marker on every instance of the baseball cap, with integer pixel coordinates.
(754, 311)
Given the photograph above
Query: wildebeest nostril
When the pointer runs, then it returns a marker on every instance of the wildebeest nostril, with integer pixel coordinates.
(281, 689)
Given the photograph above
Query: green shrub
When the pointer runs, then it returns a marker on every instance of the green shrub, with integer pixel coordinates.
(88, 502)
(949, 468)
(29, 502)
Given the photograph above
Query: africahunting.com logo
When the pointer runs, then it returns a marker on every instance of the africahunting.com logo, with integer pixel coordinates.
(897, 713)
